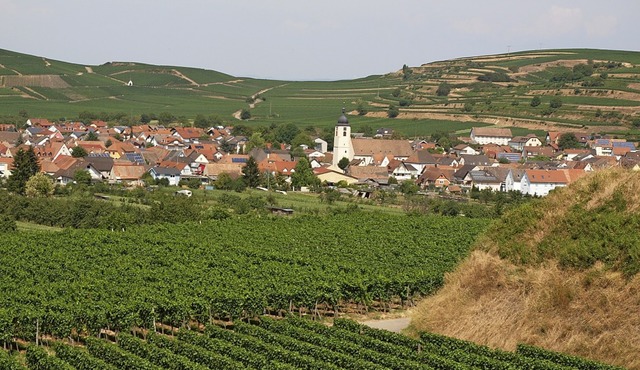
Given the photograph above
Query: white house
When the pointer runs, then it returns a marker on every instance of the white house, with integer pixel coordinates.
(519, 142)
(171, 174)
(541, 182)
(490, 135)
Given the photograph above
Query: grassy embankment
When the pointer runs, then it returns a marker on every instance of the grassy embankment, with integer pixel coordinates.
(561, 273)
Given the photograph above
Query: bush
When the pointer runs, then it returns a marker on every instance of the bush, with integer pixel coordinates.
(535, 101)
(555, 103)
(7, 224)
(393, 111)
(443, 90)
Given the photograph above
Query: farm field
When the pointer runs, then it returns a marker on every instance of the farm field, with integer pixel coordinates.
(292, 343)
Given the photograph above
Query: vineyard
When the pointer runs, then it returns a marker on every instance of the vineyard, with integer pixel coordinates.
(292, 343)
(81, 282)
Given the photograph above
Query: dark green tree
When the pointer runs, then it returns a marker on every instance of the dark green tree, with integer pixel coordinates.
(393, 111)
(166, 118)
(535, 101)
(245, 114)
(303, 175)
(251, 173)
(555, 103)
(568, 141)
(343, 163)
(25, 165)
(78, 152)
(408, 187)
(82, 177)
(443, 89)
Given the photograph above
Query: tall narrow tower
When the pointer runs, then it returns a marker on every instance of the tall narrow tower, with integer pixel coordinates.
(342, 146)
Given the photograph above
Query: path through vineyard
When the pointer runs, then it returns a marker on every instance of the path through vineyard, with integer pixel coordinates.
(394, 325)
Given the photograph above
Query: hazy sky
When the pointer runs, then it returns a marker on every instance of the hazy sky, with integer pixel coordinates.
(308, 40)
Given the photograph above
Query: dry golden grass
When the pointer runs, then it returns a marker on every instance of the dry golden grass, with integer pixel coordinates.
(487, 300)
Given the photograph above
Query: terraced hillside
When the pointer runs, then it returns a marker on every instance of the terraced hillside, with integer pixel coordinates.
(581, 89)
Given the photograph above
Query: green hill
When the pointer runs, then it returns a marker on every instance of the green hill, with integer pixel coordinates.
(580, 89)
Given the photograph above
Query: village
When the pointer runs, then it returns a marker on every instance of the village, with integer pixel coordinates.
(489, 158)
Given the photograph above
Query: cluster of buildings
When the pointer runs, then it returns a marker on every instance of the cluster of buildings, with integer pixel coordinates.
(490, 158)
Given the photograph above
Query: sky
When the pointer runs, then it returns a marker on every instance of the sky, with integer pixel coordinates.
(308, 40)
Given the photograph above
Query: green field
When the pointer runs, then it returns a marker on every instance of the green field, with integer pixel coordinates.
(187, 92)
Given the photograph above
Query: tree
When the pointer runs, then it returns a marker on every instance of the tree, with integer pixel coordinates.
(361, 108)
(302, 139)
(535, 101)
(82, 177)
(39, 185)
(166, 118)
(108, 143)
(343, 163)
(393, 111)
(567, 141)
(255, 141)
(555, 103)
(251, 173)
(78, 152)
(245, 114)
(408, 187)
(443, 89)
(25, 165)
(92, 136)
(303, 174)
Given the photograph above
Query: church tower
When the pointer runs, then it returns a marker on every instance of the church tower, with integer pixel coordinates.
(342, 146)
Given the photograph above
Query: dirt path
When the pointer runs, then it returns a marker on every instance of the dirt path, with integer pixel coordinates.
(256, 101)
(89, 69)
(179, 74)
(394, 325)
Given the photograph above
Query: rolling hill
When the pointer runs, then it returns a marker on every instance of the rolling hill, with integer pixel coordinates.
(578, 89)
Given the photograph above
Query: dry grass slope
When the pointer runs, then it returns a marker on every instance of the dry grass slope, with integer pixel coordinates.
(569, 283)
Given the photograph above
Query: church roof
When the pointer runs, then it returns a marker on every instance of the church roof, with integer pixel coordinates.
(343, 121)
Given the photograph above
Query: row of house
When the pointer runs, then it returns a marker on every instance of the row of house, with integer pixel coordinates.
(490, 158)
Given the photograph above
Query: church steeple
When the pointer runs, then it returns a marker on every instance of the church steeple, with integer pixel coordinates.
(342, 145)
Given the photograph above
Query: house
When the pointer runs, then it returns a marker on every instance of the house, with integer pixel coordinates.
(437, 177)
(127, 173)
(332, 177)
(403, 171)
(490, 135)
(103, 164)
(483, 180)
(538, 151)
(464, 149)
(65, 176)
(513, 181)
(421, 159)
(363, 173)
(183, 166)
(169, 173)
(213, 170)
(541, 182)
(519, 142)
(320, 145)
(475, 160)
(383, 132)
(461, 176)
(5, 167)
(366, 149)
